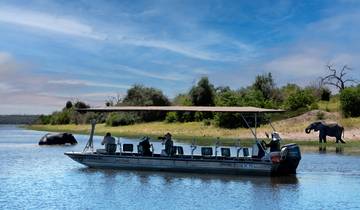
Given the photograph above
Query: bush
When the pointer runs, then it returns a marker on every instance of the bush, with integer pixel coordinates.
(350, 101)
(320, 115)
(325, 94)
(60, 118)
(44, 119)
(116, 119)
(314, 106)
(207, 122)
(299, 99)
(171, 117)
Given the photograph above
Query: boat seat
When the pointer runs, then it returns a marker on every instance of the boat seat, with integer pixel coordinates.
(110, 148)
(140, 149)
(225, 152)
(128, 147)
(206, 151)
(258, 151)
(178, 150)
(246, 152)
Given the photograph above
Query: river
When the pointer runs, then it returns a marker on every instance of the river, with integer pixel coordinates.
(42, 177)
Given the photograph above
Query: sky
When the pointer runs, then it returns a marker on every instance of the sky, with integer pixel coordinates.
(54, 51)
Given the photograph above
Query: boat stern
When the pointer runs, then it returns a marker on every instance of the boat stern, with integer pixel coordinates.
(290, 157)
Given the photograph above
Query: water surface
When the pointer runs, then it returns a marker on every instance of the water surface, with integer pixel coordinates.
(42, 177)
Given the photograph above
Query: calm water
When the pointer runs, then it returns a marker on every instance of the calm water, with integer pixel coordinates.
(34, 177)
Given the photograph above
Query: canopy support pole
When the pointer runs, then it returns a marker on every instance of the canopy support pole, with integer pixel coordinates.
(272, 125)
(247, 124)
(255, 123)
(90, 143)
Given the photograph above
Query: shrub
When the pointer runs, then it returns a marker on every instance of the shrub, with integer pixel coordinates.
(116, 119)
(320, 115)
(350, 101)
(44, 119)
(314, 106)
(207, 122)
(60, 118)
(325, 94)
(171, 117)
(299, 99)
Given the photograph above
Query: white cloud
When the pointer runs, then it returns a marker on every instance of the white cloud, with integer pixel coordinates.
(48, 22)
(156, 75)
(87, 83)
(301, 64)
(180, 48)
(4, 58)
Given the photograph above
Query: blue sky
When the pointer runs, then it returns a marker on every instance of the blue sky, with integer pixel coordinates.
(54, 51)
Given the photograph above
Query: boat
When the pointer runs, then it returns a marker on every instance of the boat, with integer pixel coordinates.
(259, 162)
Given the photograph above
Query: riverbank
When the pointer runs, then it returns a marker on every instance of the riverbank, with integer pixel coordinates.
(291, 130)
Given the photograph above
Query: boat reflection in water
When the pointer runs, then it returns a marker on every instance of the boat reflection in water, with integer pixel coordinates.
(259, 162)
(145, 177)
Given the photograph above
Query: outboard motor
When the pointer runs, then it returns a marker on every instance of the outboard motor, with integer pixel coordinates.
(290, 158)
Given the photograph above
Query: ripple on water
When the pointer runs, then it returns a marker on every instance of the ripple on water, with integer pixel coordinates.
(35, 177)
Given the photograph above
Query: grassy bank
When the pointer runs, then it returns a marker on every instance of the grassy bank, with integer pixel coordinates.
(186, 132)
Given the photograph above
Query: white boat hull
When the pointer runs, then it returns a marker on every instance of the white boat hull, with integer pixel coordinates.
(180, 164)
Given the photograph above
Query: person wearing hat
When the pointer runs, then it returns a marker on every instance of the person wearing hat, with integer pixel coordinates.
(274, 144)
(168, 144)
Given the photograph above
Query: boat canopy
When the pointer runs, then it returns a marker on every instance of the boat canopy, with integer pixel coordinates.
(229, 109)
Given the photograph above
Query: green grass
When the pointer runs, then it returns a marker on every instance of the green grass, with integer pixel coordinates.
(330, 106)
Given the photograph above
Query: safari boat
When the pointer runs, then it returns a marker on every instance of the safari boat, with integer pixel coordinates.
(259, 162)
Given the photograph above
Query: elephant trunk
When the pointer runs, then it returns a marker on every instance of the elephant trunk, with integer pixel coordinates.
(308, 129)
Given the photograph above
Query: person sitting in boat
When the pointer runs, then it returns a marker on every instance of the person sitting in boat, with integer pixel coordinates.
(274, 143)
(145, 146)
(108, 139)
(110, 145)
(169, 144)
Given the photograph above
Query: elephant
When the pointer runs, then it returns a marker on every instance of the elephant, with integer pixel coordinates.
(326, 129)
(61, 138)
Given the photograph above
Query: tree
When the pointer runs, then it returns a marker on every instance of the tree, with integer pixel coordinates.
(68, 105)
(139, 95)
(113, 100)
(288, 90)
(203, 94)
(350, 101)
(337, 78)
(81, 105)
(300, 99)
(266, 85)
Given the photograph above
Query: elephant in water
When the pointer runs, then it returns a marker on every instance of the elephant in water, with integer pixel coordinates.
(61, 138)
(325, 129)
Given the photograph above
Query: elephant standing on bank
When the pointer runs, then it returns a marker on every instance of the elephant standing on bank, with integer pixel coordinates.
(325, 129)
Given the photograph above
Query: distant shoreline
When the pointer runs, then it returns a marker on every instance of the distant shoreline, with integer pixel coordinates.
(186, 132)
(16, 119)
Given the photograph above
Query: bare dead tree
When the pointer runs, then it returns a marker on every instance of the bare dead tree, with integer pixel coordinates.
(337, 78)
(113, 100)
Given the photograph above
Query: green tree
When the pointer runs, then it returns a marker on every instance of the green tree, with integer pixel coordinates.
(350, 101)
(228, 98)
(300, 99)
(203, 94)
(266, 85)
(288, 90)
(139, 95)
